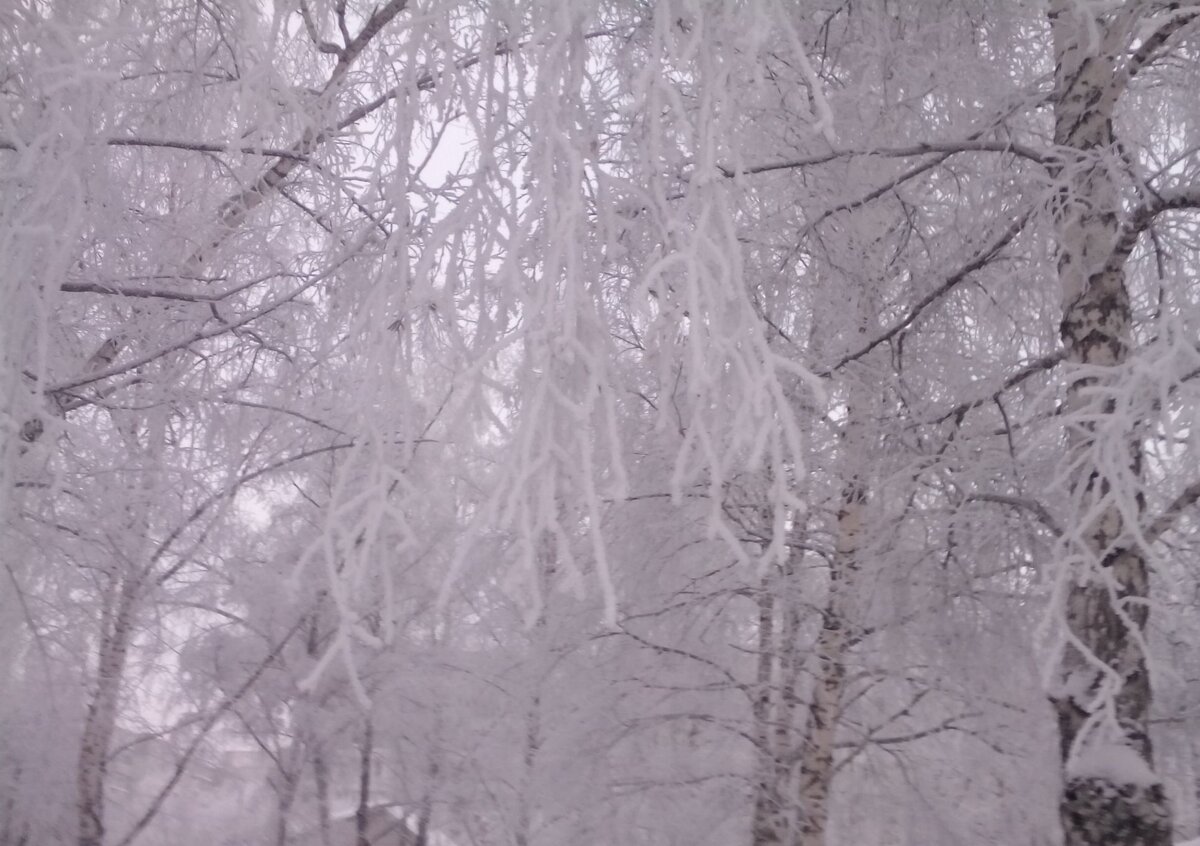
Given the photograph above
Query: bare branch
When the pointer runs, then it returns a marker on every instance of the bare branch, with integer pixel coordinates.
(1143, 218)
(207, 726)
(981, 259)
(969, 145)
(1170, 515)
(140, 293)
(180, 144)
(1038, 365)
(1020, 503)
(1148, 50)
(201, 335)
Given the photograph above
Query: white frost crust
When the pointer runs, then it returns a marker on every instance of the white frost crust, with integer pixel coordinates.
(1113, 762)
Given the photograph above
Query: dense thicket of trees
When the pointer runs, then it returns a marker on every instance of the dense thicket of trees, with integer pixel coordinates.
(595, 421)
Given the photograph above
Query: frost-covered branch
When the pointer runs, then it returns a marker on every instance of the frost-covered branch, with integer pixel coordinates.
(225, 326)
(1033, 368)
(1172, 513)
(981, 259)
(182, 144)
(206, 727)
(915, 150)
(1021, 503)
(1179, 17)
(1144, 216)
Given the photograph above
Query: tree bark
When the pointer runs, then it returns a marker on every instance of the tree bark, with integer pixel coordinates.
(523, 836)
(816, 761)
(319, 762)
(854, 455)
(1110, 793)
(116, 630)
(769, 821)
(284, 798)
(362, 817)
(321, 777)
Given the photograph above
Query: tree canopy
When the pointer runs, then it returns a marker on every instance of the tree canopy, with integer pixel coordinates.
(590, 421)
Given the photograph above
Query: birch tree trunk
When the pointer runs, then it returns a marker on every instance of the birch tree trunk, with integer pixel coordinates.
(320, 764)
(1111, 793)
(425, 811)
(321, 777)
(100, 720)
(362, 816)
(769, 821)
(816, 761)
(125, 593)
(816, 766)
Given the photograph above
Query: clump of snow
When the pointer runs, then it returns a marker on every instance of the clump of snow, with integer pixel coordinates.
(1113, 762)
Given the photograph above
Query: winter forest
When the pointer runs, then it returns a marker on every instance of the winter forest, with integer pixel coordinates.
(594, 422)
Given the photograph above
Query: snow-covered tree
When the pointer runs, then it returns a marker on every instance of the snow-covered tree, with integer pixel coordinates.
(599, 420)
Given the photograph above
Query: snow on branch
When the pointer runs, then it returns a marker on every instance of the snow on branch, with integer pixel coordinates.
(571, 265)
(186, 145)
(969, 145)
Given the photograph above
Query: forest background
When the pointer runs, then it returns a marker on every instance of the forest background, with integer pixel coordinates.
(599, 421)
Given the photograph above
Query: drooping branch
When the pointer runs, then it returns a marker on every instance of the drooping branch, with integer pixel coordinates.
(429, 80)
(1032, 506)
(235, 208)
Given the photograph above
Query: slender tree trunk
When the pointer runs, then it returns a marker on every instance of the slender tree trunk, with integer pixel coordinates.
(769, 822)
(362, 816)
(539, 658)
(776, 706)
(320, 766)
(425, 814)
(285, 797)
(321, 777)
(817, 752)
(1111, 794)
(533, 742)
(9, 825)
(424, 818)
(817, 743)
(100, 720)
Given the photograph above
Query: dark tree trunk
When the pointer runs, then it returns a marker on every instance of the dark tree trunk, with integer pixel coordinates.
(362, 817)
